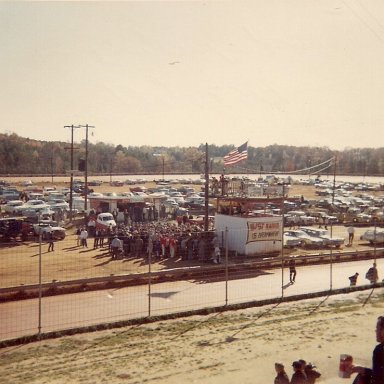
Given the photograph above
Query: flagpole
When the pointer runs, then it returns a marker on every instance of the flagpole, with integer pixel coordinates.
(206, 190)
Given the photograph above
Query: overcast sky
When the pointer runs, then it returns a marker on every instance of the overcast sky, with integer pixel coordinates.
(182, 73)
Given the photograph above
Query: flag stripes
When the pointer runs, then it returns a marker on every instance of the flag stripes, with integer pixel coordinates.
(236, 155)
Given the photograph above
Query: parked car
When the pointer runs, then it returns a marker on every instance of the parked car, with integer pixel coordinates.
(105, 220)
(298, 218)
(9, 207)
(363, 218)
(305, 239)
(323, 234)
(48, 226)
(58, 203)
(12, 227)
(35, 205)
(78, 203)
(291, 241)
(8, 196)
(170, 203)
(372, 236)
(116, 183)
(95, 183)
(195, 202)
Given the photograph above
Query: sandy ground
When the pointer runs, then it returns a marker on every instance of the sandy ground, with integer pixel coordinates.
(232, 347)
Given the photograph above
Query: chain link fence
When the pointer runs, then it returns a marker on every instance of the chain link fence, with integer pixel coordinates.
(80, 287)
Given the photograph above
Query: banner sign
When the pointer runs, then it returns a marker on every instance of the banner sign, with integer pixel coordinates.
(267, 231)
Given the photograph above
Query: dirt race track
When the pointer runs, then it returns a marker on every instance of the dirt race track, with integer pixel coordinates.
(20, 260)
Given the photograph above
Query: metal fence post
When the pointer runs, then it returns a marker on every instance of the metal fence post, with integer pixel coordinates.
(40, 284)
(226, 265)
(149, 283)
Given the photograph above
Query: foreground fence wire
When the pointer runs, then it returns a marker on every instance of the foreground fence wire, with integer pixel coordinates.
(75, 287)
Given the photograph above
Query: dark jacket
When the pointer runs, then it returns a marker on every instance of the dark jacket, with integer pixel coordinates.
(281, 378)
(377, 371)
(299, 378)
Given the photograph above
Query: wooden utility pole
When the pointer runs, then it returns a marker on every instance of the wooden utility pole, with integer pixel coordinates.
(206, 190)
(86, 168)
(72, 127)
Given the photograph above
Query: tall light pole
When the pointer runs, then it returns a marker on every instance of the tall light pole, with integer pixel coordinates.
(206, 190)
(72, 127)
(86, 167)
(162, 157)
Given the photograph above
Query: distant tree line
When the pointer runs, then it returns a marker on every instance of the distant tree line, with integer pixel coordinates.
(23, 156)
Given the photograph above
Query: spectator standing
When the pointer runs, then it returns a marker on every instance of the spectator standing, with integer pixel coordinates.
(282, 377)
(372, 275)
(101, 238)
(189, 247)
(157, 247)
(50, 241)
(96, 239)
(78, 231)
(172, 246)
(163, 242)
(92, 226)
(312, 373)
(298, 377)
(351, 234)
(150, 246)
(201, 249)
(138, 245)
(353, 279)
(216, 249)
(83, 238)
(183, 247)
(116, 246)
(292, 270)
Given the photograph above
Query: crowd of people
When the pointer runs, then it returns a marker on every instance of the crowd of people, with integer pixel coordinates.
(303, 373)
(154, 240)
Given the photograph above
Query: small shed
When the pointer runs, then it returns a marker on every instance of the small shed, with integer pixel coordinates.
(251, 235)
(252, 228)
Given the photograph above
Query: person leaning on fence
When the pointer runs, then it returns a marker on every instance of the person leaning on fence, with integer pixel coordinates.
(372, 275)
(281, 377)
(353, 279)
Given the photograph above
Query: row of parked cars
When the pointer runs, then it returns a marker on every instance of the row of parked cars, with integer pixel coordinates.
(14, 227)
(311, 237)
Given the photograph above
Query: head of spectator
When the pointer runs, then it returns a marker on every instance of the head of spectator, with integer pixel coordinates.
(380, 329)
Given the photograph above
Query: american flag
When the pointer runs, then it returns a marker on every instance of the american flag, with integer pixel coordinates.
(236, 155)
